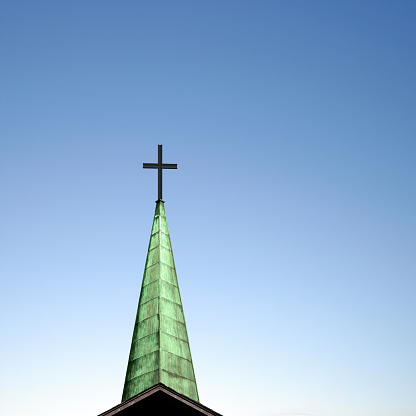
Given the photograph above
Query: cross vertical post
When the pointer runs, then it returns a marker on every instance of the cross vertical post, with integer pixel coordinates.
(159, 171)
(159, 166)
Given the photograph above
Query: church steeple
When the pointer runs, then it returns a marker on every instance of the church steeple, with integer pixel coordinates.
(160, 350)
(160, 376)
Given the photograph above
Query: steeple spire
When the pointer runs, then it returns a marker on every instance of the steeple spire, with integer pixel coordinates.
(160, 377)
(160, 350)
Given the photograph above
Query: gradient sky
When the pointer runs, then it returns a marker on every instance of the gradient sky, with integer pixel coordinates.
(292, 214)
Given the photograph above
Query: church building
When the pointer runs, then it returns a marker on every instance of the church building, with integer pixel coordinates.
(160, 377)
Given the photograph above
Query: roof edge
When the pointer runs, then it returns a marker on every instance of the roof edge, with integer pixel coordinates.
(165, 389)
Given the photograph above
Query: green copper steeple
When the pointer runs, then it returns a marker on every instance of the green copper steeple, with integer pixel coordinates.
(160, 350)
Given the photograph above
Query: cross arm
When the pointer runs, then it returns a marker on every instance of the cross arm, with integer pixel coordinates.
(163, 166)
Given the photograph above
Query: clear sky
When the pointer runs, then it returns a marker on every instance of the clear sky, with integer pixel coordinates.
(292, 214)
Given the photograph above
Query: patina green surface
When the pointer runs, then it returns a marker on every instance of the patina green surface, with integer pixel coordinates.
(160, 350)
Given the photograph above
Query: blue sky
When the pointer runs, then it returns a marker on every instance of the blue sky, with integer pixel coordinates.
(292, 213)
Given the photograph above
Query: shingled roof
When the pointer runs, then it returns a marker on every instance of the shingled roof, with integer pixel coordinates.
(160, 400)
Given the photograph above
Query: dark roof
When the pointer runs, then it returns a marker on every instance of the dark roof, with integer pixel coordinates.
(160, 399)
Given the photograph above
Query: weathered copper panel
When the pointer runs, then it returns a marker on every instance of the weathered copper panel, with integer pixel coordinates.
(176, 365)
(171, 309)
(148, 309)
(149, 292)
(153, 257)
(151, 274)
(168, 273)
(144, 346)
(184, 386)
(147, 326)
(169, 291)
(137, 383)
(175, 346)
(142, 365)
(173, 327)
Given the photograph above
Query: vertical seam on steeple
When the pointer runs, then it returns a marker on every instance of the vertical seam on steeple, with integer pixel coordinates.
(158, 295)
(184, 320)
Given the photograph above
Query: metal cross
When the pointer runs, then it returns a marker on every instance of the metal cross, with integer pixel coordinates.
(159, 166)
